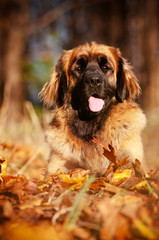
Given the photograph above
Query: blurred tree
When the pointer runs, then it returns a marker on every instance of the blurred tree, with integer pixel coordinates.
(130, 25)
(14, 32)
(13, 20)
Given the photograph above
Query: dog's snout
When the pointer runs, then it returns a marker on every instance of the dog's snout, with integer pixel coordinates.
(92, 75)
(95, 81)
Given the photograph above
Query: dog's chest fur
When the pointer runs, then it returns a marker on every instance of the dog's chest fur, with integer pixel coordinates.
(70, 138)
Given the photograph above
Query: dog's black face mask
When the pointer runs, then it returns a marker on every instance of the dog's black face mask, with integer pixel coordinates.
(95, 86)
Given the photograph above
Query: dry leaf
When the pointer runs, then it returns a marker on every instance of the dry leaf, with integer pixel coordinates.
(109, 152)
(25, 231)
(139, 171)
(118, 176)
(72, 180)
(123, 163)
(139, 185)
(77, 176)
(109, 211)
(3, 168)
(7, 209)
(145, 231)
(114, 225)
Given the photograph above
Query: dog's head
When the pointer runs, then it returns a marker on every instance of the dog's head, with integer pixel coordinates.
(88, 77)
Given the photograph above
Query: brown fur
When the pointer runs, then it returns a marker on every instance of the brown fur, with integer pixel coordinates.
(120, 125)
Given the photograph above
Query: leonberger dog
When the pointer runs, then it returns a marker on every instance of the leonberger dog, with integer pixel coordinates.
(93, 90)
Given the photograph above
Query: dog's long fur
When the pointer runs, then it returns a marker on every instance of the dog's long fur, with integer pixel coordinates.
(119, 123)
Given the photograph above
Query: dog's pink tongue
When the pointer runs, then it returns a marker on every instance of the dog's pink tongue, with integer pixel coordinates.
(95, 104)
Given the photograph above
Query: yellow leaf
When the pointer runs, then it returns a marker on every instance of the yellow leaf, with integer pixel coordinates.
(21, 230)
(145, 231)
(41, 187)
(3, 168)
(30, 204)
(139, 185)
(146, 217)
(73, 180)
(118, 176)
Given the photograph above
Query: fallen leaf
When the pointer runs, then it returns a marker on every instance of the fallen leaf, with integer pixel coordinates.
(7, 209)
(25, 231)
(123, 163)
(118, 176)
(123, 204)
(139, 185)
(30, 203)
(81, 233)
(72, 180)
(144, 230)
(139, 171)
(112, 188)
(109, 172)
(3, 168)
(77, 176)
(114, 224)
(43, 186)
(109, 152)
(128, 203)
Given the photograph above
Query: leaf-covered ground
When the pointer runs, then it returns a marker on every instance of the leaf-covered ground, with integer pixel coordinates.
(122, 204)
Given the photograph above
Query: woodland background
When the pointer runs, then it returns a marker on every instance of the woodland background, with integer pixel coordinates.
(32, 36)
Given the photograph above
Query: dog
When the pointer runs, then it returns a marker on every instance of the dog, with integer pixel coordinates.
(94, 92)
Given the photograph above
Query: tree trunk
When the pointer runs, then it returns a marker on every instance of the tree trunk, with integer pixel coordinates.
(13, 20)
(152, 36)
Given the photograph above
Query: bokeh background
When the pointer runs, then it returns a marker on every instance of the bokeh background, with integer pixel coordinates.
(32, 36)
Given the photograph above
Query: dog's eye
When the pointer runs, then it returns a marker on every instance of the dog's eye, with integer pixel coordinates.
(104, 64)
(79, 69)
(105, 67)
(81, 64)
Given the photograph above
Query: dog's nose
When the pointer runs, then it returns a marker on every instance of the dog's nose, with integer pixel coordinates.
(95, 81)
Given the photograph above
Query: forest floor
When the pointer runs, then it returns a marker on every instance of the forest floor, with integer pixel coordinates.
(122, 204)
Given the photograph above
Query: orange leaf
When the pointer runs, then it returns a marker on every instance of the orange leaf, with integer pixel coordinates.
(3, 168)
(108, 153)
(139, 171)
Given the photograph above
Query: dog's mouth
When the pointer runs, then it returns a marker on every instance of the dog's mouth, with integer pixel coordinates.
(95, 103)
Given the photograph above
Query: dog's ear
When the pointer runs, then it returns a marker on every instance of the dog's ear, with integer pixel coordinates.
(127, 84)
(54, 90)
